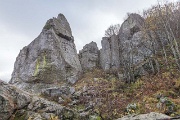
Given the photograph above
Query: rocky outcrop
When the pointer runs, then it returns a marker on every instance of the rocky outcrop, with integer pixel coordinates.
(89, 56)
(149, 116)
(109, 54)
(105, 54)
(133, 24)
(131, 47)
(18, 104)
(63, 90)
(132, 39)
(135, 47)
(49, 60)
(11, 99)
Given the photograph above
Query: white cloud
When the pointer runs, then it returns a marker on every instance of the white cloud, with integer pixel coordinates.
(95, 26)
(10, 44)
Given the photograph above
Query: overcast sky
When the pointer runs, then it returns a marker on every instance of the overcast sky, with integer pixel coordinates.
(21, 21)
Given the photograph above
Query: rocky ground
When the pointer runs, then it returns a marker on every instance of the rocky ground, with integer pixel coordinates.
(98, 95)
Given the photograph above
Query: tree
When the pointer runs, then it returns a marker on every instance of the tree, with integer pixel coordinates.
(163, 20)
(112, 30)
(161, 32)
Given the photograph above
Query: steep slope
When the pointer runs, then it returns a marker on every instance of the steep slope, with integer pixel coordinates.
(111, 98)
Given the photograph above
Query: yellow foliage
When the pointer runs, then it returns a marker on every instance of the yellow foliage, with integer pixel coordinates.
(177, 83)
(148, 99)
(137, 84)
(30, 118)
(37, 67)
(165, 93)
(52, 117)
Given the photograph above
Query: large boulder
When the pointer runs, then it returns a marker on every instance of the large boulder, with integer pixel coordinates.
(149, 116)
(49, 60)
(16, 104)
(109, 54)
(89, 56)
(11, 99)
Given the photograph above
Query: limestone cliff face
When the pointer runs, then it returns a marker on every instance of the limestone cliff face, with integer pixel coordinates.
(48, 60)
(52, 59)
(116, 48)
(130, 45)
(131, 25)
(134, 44)
(89, 56)
(109, 54)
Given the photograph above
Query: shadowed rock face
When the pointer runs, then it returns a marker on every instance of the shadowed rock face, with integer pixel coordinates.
(130, 26)
(109, 54)
(133, 43)
(89, 56)
(131, 37)
(130, 45)
(48, 60)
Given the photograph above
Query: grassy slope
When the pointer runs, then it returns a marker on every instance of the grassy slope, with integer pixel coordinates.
(112, 96)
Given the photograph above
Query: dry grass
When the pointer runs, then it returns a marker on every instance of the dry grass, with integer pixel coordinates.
(112, 95)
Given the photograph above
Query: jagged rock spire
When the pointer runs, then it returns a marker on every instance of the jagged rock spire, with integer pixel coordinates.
(48, 60)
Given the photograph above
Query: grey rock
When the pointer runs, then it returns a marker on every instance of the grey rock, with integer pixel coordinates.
(132, 39)
(84, 88)
(50, 59)
(58, 91)
(149, 116)
(38, 104)
(77, 94)
(84, 115)
(72, 90)
(120, 76)
(136, 48)
(94, 117)
(45, 108)
(96, 79)
(60, 100)
(11, 99)
(131, 25)
(14, 100)
(89, 56)
(34, 116)
(109, 54)
(89, 106)
(34, 88)
(47, 115)
(114, 42)
(105, 54)
(135, 45)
